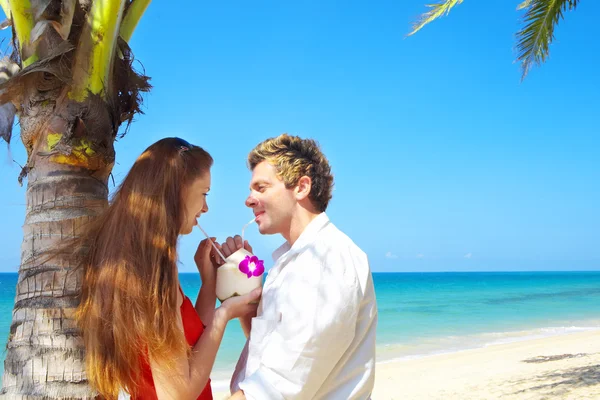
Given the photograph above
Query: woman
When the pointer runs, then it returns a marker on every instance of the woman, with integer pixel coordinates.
(141, 333)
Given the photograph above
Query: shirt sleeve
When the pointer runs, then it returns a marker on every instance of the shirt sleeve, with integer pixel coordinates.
(318, 323)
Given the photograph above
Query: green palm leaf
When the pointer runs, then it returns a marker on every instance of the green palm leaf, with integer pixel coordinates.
(541, 17)
(524, 4)
(437, 10)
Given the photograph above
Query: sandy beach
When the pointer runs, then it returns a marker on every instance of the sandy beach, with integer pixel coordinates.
(559, 367)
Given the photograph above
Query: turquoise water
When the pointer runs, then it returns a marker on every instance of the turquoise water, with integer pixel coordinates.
(428, 313)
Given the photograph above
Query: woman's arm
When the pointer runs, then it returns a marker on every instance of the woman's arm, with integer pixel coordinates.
(191, 374)
(206, 302)
(207, 297)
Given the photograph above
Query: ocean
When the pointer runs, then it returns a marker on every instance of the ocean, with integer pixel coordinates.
(422, 314)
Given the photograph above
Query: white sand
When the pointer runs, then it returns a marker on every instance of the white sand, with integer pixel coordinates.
(568, 367)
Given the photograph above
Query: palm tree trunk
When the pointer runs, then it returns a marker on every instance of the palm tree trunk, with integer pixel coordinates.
(45, 356)
(75, 88)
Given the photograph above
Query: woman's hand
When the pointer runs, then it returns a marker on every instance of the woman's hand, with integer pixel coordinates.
(206, 261)
(240, 306)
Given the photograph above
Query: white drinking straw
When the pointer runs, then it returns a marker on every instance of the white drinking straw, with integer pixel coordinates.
(211, 242)
(245, 226)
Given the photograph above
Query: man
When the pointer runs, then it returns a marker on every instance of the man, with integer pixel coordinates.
(314, 333)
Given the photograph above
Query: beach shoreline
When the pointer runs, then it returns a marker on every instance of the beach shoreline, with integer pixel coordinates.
(388, 353)
(565, 366)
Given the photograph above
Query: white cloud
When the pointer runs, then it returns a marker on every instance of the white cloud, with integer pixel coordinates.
(390, 255)
(468, 255)
(420, 255)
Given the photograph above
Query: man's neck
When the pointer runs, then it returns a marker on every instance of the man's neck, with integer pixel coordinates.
(298, 224)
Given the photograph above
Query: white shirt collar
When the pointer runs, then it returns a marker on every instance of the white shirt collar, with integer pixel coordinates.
(306, 237)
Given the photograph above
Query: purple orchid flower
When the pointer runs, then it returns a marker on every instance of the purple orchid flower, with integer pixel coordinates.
(252, 266)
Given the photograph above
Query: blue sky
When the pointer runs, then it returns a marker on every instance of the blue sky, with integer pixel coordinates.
(443, 159)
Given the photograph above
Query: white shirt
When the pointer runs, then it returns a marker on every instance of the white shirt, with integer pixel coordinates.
(314, 333)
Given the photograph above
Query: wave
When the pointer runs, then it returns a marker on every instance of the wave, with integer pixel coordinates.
(391, 352)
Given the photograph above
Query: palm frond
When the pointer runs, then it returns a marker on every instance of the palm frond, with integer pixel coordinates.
(20, 13)
(7, 110)
(57, 15)
(541, 17)
(524, 4)
(5, 7)
(133, 13)
(96, 49)
(437, 10)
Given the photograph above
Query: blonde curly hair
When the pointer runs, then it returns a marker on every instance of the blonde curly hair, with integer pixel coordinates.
(293, 158)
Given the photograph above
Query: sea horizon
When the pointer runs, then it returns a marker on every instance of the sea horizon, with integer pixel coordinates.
(428, 313)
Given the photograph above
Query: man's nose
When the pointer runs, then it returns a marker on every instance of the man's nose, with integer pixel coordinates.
(251, 201)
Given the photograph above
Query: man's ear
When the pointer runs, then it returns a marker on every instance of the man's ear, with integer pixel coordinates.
(303, 188)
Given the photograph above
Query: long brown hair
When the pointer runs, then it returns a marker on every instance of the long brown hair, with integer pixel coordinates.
(129, 298)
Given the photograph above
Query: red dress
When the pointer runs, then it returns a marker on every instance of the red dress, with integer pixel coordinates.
(193, 328)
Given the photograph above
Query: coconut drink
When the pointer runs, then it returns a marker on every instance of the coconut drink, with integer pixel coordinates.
(241, 274)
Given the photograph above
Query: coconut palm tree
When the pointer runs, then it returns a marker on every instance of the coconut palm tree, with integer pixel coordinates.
(71, 83)
(533, 40)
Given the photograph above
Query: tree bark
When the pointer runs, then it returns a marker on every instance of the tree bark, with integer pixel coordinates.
(45, 355)
(69, 137)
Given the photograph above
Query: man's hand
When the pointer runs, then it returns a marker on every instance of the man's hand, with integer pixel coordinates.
(233, 244)
(246, 323)
(239, 395)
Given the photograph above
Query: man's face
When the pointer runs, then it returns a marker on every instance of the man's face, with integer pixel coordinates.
(272, 203)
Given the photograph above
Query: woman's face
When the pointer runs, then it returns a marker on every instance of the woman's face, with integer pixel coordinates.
(195, 202)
